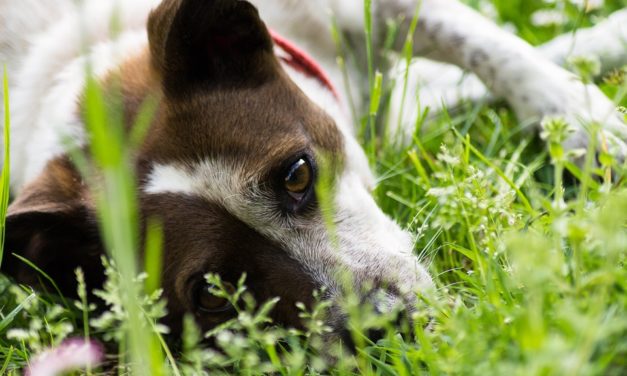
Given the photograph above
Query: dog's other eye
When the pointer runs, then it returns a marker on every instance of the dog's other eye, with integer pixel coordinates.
(299, 179)
(207, 302)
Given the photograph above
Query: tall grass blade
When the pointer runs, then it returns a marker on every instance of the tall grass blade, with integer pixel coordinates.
(6, 162)
(407, 55)
(11, 316)
(369, 48)
(46, 277)
(5, 366)
(118, 214)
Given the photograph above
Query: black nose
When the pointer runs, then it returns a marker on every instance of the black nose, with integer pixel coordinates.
(397, 322)
(376, 334)
(347, 340)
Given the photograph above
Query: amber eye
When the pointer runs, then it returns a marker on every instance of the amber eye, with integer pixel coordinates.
(299, 179)
(207, 302)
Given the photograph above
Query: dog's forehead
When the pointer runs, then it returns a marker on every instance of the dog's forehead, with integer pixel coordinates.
(264, 126)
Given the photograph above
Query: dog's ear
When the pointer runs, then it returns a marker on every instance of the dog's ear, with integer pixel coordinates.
(50, 225)
(210, 43)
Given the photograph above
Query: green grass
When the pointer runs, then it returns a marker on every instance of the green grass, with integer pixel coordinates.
(530, 267)
(5, 177)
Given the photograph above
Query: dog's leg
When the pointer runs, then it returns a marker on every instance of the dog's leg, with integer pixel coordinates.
(512, 69)
(607, 41)
(444, 85)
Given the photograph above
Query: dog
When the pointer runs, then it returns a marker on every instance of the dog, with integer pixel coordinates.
(231, 161)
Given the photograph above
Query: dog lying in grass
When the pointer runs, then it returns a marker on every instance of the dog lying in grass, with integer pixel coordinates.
(245, 127)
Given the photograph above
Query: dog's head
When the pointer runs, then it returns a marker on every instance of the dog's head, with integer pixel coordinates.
(230, 167)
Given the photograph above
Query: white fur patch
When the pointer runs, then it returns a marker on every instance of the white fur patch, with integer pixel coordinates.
(45, 90)
(370, 246)
(169, 179)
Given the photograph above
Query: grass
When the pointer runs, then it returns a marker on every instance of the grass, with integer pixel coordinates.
(5, 176)
(530, 268)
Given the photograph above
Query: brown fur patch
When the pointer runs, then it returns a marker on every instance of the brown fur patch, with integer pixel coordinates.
(58, 189)
(201, 237)
(52, 224)
(217, 43)
(262, 126)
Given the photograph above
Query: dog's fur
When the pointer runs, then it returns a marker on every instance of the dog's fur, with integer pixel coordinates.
(231, 118)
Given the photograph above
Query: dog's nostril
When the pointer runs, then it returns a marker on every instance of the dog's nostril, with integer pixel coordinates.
(347, 339)
(376, 334)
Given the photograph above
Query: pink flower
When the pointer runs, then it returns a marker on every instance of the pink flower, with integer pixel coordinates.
(70, 355)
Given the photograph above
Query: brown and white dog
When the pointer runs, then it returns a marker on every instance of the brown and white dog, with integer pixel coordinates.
(231, 159)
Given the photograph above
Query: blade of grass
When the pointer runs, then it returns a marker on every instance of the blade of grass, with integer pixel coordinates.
(326, 197)
(46, 277)
(154, 256)
(382, 368)
(375, 104)
(5, 366)
(342, 65)
(408, 54)
(11, 316)
(368, 32)
(118, 215)
(6, 162)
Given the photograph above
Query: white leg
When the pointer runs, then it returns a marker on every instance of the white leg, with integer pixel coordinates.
(447, 85)
(512, 69)
(607, 41)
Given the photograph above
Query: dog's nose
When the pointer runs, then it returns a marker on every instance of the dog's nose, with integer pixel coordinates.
(398, 321)
(376, 334)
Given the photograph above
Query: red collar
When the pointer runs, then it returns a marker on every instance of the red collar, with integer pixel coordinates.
(302, 62)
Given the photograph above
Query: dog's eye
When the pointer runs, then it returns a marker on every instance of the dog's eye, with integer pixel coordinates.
(207, 302)
(299, 178)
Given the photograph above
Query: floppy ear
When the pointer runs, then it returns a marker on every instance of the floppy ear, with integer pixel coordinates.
(210, 43)
(51, 226)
